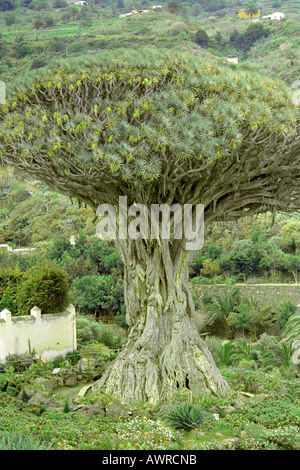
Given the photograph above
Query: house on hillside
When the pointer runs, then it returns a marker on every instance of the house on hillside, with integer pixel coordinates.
(133, 12)
(78, 2)
(247, 14)
(274, 16)
(233, 60)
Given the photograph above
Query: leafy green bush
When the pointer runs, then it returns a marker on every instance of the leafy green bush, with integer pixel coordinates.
(91, 330)
(10, 282)
(20, 362)
(73, 357)
(94, 293)
(186, 416)
(44, 286)
(287, 309)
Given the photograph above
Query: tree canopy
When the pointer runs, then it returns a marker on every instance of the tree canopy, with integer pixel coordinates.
(156, 129)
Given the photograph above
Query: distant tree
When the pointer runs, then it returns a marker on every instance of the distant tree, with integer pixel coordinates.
(245, 40)
(235, 39)
(174, 7)
(292, 264)
(290, 236)
(211, 267)
(6, 5)
(60, 3)
(197, 263)
(253, 33)
(272, 255)
(286, 310)
(38, 5)
(49, 21)
(214, 5)
(196, 10)
(3, 48)
(37, 64)
(94, 293)
(214, 252)
(242, 316)
(10, 18)
(218, 38)
(60, 245)
(38, 23)
(252, 10)
(202, 38)
(20, 47)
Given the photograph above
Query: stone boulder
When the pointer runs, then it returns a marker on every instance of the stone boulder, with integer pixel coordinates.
(91, 410)
(116, 410)
(70, 379)
(48, 403)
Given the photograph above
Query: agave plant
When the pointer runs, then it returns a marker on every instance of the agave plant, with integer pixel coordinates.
(185, 416)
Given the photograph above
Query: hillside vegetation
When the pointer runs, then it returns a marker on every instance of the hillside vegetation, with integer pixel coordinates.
(32, 33)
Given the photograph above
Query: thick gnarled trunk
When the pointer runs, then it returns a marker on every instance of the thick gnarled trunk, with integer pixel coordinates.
(164, 352)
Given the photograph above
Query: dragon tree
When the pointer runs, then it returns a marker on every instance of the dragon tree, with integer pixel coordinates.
(157, 128)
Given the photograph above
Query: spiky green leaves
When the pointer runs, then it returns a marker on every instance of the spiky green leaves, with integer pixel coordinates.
(187, 416)
(136, 121)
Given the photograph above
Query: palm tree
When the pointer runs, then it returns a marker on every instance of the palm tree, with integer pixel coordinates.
(226, 354)
(280, 356)
(292, 327)
(226, 303)
(252, 10)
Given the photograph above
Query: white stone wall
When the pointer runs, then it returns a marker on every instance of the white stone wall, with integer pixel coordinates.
(49, 335)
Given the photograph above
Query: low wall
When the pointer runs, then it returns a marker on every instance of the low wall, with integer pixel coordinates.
(265, 294)
(48, 336)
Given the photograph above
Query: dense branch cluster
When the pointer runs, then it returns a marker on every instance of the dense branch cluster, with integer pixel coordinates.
(157, 129)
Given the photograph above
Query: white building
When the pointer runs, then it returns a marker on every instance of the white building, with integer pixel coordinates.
(233, 60)
(274, 16)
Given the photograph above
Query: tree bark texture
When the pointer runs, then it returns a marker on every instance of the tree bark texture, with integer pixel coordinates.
(164, 353)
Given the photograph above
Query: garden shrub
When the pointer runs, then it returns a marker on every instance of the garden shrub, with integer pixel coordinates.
(91, 330)
(286, 310)
(258, 438)
(120, 319)
(20, 362)
(44, 286)
(73, 357)
(10, 281)
(95, 293)
(276, 411)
